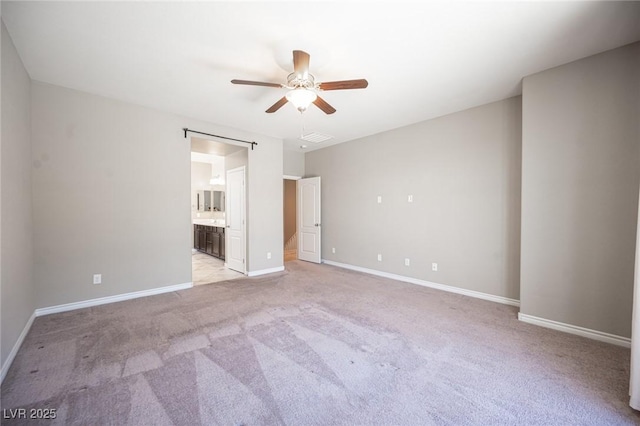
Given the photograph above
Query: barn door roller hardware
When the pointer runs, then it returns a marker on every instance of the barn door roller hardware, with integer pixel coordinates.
(218, 136)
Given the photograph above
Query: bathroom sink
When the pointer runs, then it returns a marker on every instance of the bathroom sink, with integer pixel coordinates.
(209, 222)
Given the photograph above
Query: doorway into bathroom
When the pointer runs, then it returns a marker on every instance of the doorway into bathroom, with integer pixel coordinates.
(210, 163)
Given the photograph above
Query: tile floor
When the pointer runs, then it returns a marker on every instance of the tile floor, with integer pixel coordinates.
(208, 269)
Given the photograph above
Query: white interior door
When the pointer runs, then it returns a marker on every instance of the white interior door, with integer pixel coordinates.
(309, 219)
(235, 220)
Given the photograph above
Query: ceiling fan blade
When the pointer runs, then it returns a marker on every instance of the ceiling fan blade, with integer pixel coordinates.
(300, 62)
(344, 84)
(277, 105)
(324, 106)
(256, 83)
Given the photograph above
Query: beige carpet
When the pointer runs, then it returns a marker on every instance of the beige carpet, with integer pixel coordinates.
(314, 345)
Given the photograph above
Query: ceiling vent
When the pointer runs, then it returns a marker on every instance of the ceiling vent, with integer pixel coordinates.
(314, 137)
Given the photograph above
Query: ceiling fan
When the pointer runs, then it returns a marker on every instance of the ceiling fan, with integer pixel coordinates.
(303, 87)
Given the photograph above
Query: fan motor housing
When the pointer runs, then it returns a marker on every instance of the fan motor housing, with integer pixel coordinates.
(295, 81)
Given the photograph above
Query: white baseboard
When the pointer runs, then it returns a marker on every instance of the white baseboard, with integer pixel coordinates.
(265, 271)
(16, 347)
(634, 402)
(111, 299)
(450, 289)
(574, 329)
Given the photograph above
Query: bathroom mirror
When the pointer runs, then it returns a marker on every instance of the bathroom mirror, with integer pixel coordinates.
(203, 201)
(207, 201)
(218, 201)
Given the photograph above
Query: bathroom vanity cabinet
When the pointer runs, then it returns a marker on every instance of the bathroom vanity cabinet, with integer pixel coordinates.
(209, 239)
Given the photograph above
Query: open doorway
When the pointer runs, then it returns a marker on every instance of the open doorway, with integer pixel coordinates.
(290, 219)
(210, 162)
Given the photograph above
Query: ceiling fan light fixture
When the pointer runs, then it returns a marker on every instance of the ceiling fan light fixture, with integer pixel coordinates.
(302, 87)
(301, 98)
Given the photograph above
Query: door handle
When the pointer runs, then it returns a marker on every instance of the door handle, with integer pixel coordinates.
(317, 224)
(228, 226)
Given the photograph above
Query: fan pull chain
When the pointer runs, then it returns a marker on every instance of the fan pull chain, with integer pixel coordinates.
(301, 125)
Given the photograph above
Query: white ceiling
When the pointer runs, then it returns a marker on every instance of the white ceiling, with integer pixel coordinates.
(422, 60)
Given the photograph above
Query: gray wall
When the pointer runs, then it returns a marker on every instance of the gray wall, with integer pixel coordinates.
(463, 171)
(580, 191)
(264, 208)
(112, 196)
(293, 163)
(16, 248)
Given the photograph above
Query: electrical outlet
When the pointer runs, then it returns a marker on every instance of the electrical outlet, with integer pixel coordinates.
(268, 255)
(333, 250)
(410, 198)
(379, 258)
(379, 199)
(97, 278)
(434, 267)
(407, 262)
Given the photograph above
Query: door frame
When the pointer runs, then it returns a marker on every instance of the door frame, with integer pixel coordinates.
(294, 178)
(246, 241)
